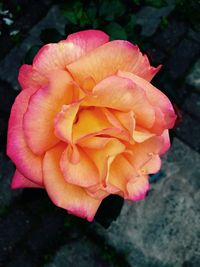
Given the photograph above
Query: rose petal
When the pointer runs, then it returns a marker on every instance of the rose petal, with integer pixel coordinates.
(124, 176)
(107, 59)
(19, 181)
(166, 142)
(156, 99)
(92, 122)
(65, 195)
(141, 136)
(58, 56)
(64, 121)
(138, 188)
(42, 108)
(146, 154)
(127, 120)
(27, 163)
(28, 77)
(81, 172)
(122, 94)
(103, 157)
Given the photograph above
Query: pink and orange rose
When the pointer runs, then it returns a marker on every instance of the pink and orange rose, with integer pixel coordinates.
(88, 122)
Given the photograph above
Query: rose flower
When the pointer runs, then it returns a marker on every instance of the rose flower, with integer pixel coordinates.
(88, 122)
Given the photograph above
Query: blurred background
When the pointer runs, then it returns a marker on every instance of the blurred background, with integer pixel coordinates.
(164, 229)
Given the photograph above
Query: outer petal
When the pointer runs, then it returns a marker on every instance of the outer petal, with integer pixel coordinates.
(108, 59)
(145, 155)
(27, 163)
(124, 176)
(166, 142)
(58, 56)
(138, 188)
(156, 98)
(81, 172)
(28, 77)
(19, 181)
(63, 194)
(122, 94)
(42, 108)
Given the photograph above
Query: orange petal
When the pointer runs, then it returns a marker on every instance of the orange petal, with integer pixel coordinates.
(96, 142)
(122, 94)
(57, 56)
(103, 157)
(19, 181)
(64, 121)
(141, 136)
(70, 197)
(138, 188)
(126, 119)
(107, 59)
(42, 109)
(26, 161)
(81, 172)
(156, 99)
(120, 173)
(90, 121)
(124, 176)
(145, 155)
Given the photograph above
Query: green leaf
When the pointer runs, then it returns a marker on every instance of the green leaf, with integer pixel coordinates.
(156, 3)
(131, 24)
(137, 2)
(70, 15)
(116, 31)
(112, 9)
(28, 59)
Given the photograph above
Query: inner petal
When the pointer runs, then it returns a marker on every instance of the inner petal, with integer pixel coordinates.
(78, 168)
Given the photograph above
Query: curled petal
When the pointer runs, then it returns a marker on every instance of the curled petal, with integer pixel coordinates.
(103, 157)
(126, 119)
(43, 106)
(166, 142)
(122, 94)
(141, 136)
(58, 56)
(70, 197)
(29, 77)
(92, 122)
(146, 154)
(107, 59)
(125, 177)
(20, 181)
(80, 171)
(157, 99)
(138, 188)
(29, 164)
(64, 121)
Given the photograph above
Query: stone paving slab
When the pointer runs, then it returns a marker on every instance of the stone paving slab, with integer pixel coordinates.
(164, 230)
(193, 78)
(80, 253)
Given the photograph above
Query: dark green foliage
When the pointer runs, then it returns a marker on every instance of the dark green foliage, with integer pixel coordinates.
(28, 59)
(116, 31)
(189, 10)
(50, 35)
